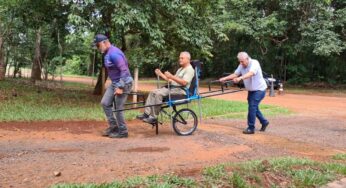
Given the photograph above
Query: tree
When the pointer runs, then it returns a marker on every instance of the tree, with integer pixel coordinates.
(47, 20)
(6, 19)
(161, 29)
(2, 62)
(298, 40)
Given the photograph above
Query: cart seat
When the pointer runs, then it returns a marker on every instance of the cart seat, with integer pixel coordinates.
(192, 91)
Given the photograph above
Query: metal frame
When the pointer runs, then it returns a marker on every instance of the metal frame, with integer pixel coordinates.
(224, 89)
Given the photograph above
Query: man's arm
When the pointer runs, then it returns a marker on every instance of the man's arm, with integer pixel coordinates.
(243, 77)
(159, 73)
(253, 70)
(180, 81)
(229, 77)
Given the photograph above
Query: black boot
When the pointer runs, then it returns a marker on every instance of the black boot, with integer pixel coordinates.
(264, 126)
(110, 130)
(119, 135)
(122, 133)
(150, 120)
(248, 131)
(142, 116)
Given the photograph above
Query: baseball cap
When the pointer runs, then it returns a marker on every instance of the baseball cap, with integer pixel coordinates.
(99, 38)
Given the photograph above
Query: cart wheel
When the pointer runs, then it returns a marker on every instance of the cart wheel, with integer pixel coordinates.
(185, 122)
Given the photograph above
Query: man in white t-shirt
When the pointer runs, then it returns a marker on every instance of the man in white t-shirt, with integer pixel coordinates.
(249, 70)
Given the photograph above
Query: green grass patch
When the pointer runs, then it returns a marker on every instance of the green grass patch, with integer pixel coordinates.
(236, 180)
(153, 81)
(74, 101)
(75, 76)
(154, 181)
(327, 91)
(216, 108)
(71, 101)
(221, 109)
(276, 172)
(310, 178)
(77, 86)
(340, 156)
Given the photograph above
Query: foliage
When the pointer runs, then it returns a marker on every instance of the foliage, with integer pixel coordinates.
(300, 41)
(297, 40)
(76, 65)
(27, 17)
(152, 32)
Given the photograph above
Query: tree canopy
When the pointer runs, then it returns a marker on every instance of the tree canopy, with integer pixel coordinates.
(296, 40)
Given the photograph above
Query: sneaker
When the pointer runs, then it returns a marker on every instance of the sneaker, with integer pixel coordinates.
(142, 116)
(264, 126)
(110, 130)
(248, 131)
(150, 120)
(118, 135)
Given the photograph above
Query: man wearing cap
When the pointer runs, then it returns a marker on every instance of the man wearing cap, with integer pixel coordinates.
(250, 71)
(119, 73)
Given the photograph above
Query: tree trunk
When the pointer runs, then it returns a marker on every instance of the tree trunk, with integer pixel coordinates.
(123, 42)
(101, 79)
(2, 62)
(6, 60)
(46, 62)
(135, 85)
(92, 57)
(15, 69)
(107, 21)
(36, 65)
(99, 87)
(60, 55)
(11, 63)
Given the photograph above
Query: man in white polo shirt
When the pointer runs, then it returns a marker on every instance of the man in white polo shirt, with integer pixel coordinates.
(249, 70)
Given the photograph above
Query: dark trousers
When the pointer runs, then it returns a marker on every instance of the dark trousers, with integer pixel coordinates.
(107, 104)
(254, 98)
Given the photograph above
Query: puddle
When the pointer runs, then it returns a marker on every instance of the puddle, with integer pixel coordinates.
(2, 155)
(146, 149)
(62, 150)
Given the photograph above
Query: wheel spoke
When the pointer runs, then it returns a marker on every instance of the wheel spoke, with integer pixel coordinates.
(185, 122)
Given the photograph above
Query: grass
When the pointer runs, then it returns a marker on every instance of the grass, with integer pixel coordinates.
(71, 101)
(340, 156)
(336, 92)
(76, 86)
(76, 76)
(152, 81)
(214, 108)
(164, 181)
(74, 101)
(276, 172)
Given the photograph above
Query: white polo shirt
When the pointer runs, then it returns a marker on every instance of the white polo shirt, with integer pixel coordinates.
(256, 82)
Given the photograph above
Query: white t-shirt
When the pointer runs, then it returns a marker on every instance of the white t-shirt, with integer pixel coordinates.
(256, 82)
(186, 74)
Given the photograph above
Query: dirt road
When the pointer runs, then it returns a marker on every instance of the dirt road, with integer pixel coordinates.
(30, 152)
